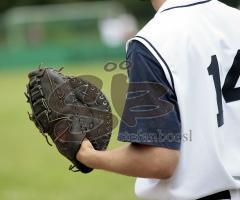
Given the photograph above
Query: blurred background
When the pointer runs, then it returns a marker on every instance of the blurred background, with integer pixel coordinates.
(82, 36)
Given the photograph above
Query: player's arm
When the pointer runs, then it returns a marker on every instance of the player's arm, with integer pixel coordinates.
(132, 160)
(151, 153)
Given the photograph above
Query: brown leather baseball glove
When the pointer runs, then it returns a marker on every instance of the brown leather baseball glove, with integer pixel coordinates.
(68, 109)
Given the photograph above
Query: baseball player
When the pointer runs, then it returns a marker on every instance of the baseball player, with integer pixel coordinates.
(182, 114)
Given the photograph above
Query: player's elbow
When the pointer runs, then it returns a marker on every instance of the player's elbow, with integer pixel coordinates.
(165, 168)
(164, 173)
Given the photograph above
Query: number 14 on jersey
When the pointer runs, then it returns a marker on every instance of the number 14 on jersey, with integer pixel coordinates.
(229, 91)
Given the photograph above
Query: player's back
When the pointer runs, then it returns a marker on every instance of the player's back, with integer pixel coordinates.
(216, 35)
(223, 40)
(197, 43)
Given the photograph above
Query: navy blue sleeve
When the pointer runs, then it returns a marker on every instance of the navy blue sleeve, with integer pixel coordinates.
(151, 113)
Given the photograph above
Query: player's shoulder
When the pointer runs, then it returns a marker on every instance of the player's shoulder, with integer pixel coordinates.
(164, 26)
(166, 29)
(181, 24)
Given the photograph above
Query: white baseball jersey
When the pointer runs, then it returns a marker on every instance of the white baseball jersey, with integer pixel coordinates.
(198, 45)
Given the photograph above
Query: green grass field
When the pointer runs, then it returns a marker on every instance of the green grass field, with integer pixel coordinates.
(32, 170)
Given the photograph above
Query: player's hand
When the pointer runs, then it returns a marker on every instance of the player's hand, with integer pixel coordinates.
(86, 153)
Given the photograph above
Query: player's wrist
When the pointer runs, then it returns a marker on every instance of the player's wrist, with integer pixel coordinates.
(93, 159)
(87, 155)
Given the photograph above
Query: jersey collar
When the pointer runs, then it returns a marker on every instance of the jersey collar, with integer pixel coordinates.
(176, 4)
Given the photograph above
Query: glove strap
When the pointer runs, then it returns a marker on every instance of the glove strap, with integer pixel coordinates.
(48, 140)
(73, 168)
